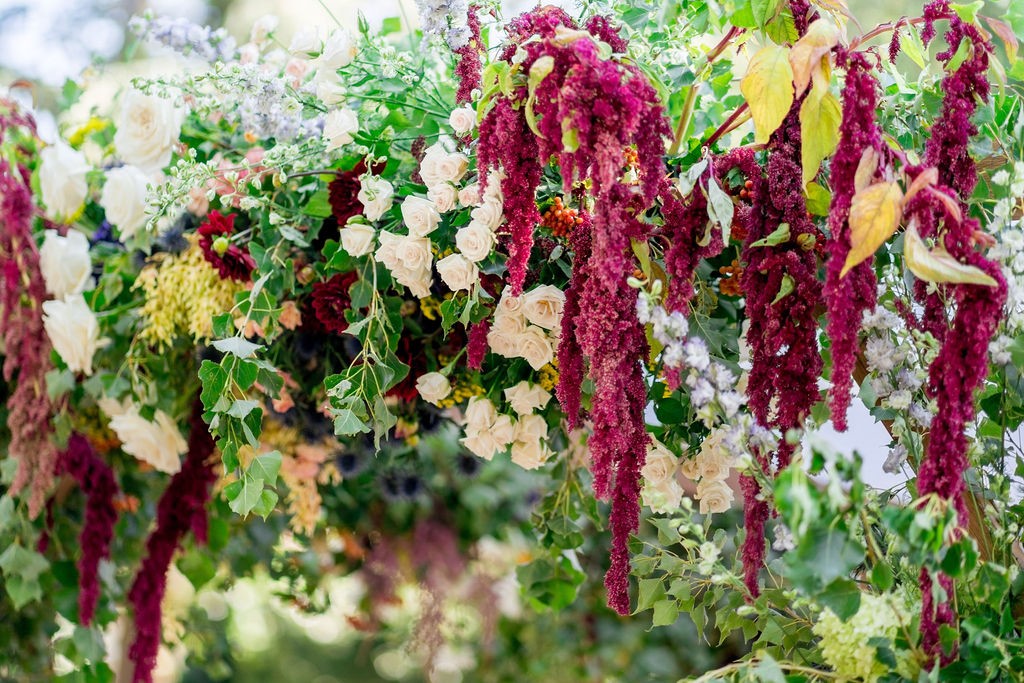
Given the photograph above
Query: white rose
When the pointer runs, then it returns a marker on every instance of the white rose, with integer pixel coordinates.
(531, 428)
(73, 330)
(503, 430)
(490, 213)
(690, 467)
(262, 28)
(338, 52)
(124, 199)
(418, 282)
(65, 263)
(62, 180)
(481, 443)
(249, 53)
(470, 195)
(444, 197)
(714, 496)
(493, 189)
(660, 465)
(543, 306)
(339, 127)
(330, 91)
(458, 272)
(525, 397)
(462, 120)
(713, 464)
(158, 443)
(408, 258)
(433, 387)
(504, 334)
(535, 347)
(413, 252)
(662, 500)
(475, 242)
(510, 304)
(357, 239)
(306, 42)
(440, 166)
(480, 414)
(530, 455)
(147, 130)
(376, 195)
(420, 216)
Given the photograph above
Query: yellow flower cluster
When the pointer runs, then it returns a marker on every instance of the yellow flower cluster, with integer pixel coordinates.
(183, 293)
(844, 645)
(94, 125)
(549, 376)
(462, 391)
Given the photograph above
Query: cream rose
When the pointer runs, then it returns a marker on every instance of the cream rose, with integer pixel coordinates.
(660, 466)
(338, 52)
(489, 214)
(62, 180)
(480, 414)
(714, 496)
(530, 455)
(440, 166)
(262, 28)
(147, 130)
(433, 387)
(420, 216)
(330, 92)
(481, 443)
(65, 263)
(376, 195)
(458, 272)
(462, 120)
(510, 304)
(443, 196)
(73, 330)
(503, 430)
(713, 464)
(357, 238)
(124, 199)
(690, 467)
(543, 306)
(408, 259)
(158, 443)
(662, 500)
(504, 334)
(526, 398)
(535, 347)
(475, 242)
(339, 128)
(470, 195)
(531, 428)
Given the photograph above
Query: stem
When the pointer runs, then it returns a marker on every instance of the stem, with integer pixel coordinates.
(684, 120)
(729, 124)
(883, 28)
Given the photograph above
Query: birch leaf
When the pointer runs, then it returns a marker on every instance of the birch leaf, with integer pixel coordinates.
(768, 89)
(807, 54)
(875, 214)
(820, 116)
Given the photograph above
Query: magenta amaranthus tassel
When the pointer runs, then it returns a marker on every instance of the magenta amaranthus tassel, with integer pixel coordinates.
(22, 292)
(848, 296)
(585, 112)
(96, 480)
(182, 508)
(468, 68)
(571, 364)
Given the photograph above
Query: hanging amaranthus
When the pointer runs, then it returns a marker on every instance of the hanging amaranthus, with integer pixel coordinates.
(586, 110)
(962, 363)
(97, 481)
(182, 507)
(467, 68)
(848, 295)
(27, 360)
(782, 292)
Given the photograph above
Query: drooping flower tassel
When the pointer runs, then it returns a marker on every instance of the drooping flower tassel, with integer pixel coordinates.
(848, 295)
(571, 364)
(182, 508)
(97, 482)
(27, 360)
(468, 68)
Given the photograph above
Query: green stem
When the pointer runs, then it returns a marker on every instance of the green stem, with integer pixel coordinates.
(684, 120)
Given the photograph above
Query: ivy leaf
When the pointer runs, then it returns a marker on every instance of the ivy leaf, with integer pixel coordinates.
(875, 214)
(938, 265)
(768, 89)
(820, 116)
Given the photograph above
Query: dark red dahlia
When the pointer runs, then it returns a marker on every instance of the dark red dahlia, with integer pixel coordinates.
(231, 261)
(330, 300)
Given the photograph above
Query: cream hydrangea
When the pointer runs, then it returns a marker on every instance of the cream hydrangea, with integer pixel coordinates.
(844, 645)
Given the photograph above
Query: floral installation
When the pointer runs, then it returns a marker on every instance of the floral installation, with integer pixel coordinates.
(475, 313)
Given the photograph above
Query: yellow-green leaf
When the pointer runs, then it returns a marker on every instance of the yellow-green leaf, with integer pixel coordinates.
(808, 53)
(820, 116)
(866, 168)
(875, 214)
(768, 89)
(938, 265)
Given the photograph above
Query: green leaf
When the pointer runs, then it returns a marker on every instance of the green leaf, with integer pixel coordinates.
(777, 236)
(665, 612)
(651, 591)
(390, 25)
(292, 234)
(319, 205)
(764, 11)
(842, 596)
(237, 346)
(768, 670)
(241, 408)
(818, 199)
(346, 423)
(246, 496)
(881, 576)
(266, 467)
(267, 503)
(720, 208)
(785, 289)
